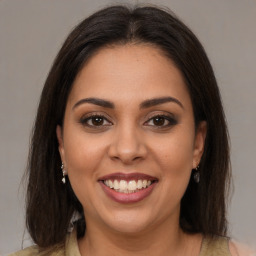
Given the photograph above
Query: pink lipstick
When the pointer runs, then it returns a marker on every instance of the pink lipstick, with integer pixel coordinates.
(127, 188)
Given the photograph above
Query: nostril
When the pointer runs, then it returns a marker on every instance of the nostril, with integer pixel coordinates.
(126, 158)
(127, 147)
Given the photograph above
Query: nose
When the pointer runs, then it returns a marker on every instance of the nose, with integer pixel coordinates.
(127, 146)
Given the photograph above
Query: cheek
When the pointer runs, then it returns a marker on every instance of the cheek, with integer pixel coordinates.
(175, 159)
(82, 151)
(176, 153)
(83, 156)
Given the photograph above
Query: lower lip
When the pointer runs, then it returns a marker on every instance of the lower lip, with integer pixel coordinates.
(126, 198)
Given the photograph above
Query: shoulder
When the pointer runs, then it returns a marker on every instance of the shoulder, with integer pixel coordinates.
(239, 249)
(68, 247)
(215, 245)
(35, 250)
(26, 252)
(224, 246)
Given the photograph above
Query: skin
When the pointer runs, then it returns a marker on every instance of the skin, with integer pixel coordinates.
(128, 140)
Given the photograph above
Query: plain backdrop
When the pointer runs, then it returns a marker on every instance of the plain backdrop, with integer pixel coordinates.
(31, 33)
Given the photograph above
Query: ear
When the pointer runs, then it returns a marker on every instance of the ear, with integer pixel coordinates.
(61, 145)
(199, 143)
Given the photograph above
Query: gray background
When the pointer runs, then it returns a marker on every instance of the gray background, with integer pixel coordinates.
(32, 31)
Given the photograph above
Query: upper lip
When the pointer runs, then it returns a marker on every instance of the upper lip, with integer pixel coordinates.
(127, 176)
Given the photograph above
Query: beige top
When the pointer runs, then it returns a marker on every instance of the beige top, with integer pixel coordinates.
(216, 247)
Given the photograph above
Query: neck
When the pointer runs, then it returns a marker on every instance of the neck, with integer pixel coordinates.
(158, 240)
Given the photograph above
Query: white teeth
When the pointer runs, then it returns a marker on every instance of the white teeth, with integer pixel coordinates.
(111, 185)
(127, 187)
(139, 184)
(132, 185)
(123, 185)
(116, 184)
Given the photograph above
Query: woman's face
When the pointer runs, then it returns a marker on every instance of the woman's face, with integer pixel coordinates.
(128, 141)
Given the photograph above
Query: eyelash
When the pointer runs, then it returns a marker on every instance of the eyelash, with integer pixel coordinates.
(85, 121)
(171, 121)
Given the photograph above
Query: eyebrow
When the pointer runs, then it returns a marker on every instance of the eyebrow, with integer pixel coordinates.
(95, 101)
(145, 104)
(157, 101)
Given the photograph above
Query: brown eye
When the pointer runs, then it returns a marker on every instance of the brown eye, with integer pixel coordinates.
(97, 120)
(159, 121)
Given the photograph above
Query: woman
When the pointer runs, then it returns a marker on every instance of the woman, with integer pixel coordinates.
(130, 136)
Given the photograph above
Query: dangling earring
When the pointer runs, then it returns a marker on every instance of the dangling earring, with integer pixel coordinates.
(63, 173)
(75, 217)
(196, 175)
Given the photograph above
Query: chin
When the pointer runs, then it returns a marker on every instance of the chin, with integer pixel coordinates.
(129, 223)
(129, 228)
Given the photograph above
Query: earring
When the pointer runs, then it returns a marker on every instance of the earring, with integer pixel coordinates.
(196, 175)
(63, 173)
(75, 217)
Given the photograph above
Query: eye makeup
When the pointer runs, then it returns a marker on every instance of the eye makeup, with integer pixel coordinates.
(98, 121)
(95, 121)
(161, 121)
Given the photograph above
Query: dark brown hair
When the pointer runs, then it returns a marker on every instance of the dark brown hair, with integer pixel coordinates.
(50, 204)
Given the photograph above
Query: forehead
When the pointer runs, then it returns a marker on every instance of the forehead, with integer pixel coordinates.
(129, 73)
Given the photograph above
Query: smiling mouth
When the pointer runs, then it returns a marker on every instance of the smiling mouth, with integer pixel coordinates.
(130, 186)
(128, 183)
